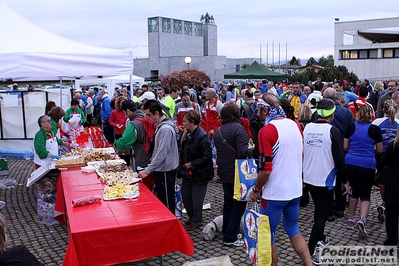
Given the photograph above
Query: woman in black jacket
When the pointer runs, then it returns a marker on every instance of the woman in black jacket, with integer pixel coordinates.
(196, 161)
(389, 190)
(18, 255)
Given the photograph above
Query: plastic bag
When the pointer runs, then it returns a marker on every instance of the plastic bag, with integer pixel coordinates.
(86, 200)
(246, 173)
(8, 183)
(218, 261)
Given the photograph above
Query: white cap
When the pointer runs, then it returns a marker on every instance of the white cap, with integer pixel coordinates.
(148, 95)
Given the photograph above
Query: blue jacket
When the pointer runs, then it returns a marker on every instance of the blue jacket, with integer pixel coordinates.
(106, 108)
(264, 88)
(342, 118)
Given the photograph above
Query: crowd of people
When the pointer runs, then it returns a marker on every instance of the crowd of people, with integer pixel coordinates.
(330, 139)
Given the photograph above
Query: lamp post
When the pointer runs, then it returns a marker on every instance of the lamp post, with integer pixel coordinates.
(188, 61)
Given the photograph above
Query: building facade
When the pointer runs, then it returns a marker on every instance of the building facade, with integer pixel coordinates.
(369, 48)
(170, 41)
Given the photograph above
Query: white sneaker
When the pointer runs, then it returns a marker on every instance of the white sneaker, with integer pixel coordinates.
(237, 243)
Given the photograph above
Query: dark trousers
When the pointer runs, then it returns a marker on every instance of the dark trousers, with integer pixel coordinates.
(233, 210)
(322, 198)
(391, 224)
(340, 200)
(193, 198)
(165, 187)
(108, 132)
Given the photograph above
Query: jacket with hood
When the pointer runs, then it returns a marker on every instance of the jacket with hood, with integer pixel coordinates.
(165, 156)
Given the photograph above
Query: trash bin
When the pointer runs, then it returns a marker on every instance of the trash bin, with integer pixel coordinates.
(45, 179)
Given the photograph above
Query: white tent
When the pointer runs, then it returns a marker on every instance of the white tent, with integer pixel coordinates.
(111, 81)
(29, 53)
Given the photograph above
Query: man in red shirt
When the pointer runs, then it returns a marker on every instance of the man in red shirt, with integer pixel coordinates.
(361, 100)
(211, 114)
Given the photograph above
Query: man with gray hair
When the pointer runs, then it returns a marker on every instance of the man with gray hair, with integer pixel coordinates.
(211, 114)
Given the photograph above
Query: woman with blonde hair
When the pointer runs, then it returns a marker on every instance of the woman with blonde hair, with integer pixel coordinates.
(359, 140)
(18, 255)
(374, 96)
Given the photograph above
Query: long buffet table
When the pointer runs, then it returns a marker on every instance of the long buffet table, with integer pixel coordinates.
(116, 231)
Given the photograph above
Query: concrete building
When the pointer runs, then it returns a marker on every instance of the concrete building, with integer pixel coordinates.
(170, 41)
(369, 48)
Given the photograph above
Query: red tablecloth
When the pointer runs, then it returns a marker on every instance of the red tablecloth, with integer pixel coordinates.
(117, 231)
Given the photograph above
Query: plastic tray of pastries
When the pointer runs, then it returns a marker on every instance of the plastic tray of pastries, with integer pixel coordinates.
(121, 191)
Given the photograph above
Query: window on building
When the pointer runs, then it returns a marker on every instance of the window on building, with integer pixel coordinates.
(152, 25)
(396, 52)
(198, 29)
(363, 54)
(154, 74)
(353, 54)
(374, 53)
(388, 53)
(345, 54)
(177, 26)
(166, 25)
(188, 28)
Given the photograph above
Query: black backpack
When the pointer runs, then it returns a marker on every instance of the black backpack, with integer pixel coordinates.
(373, 99)
(251, 111)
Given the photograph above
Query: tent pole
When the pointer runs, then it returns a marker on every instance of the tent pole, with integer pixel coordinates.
(61, 92)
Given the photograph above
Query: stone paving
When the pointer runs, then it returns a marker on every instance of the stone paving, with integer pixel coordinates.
(49, 243)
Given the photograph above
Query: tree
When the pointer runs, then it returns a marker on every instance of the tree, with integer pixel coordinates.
(326, 74)
(326, 62)
(295, 61)
(185, 78)
(311, 61)
(245, 65)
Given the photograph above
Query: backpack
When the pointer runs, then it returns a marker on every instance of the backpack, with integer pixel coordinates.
(149, 129)
(251, 111)
(373, 99)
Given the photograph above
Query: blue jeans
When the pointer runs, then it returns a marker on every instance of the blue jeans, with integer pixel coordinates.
(233, 210)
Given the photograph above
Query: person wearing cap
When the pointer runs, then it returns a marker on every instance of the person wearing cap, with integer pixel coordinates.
(147, 95)
(313, 99)
(280, 141)
(342, 119)
(322, 140)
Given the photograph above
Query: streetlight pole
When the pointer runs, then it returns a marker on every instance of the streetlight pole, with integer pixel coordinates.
(188, 61)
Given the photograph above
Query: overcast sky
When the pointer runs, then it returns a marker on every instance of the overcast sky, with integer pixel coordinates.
(306, 26)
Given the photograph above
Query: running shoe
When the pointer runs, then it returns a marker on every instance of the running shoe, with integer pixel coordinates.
(325, 241)
(361, 227)
(316, 258)
(237, 243)
(351, 224)
(381, 212)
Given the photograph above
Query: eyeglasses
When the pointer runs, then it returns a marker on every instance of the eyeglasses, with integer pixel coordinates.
(49, 121)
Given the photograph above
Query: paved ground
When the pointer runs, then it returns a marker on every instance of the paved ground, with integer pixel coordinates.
(49, 243)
